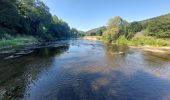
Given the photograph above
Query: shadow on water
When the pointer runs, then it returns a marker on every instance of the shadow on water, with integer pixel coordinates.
(16, 74)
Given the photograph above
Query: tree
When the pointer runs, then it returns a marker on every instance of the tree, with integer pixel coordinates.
(30, 17)
(9, 18)
(159, 28)
(133, 28)
(115, 28)
(96, 31)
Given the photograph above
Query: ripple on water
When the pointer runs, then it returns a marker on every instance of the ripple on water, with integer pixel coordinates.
(85, 70)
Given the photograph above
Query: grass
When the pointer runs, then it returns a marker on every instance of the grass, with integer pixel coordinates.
(17, 41)
(141, 41)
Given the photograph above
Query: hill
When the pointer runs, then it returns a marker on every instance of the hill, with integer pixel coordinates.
(158, 26)
(96, 31)
(166, 16)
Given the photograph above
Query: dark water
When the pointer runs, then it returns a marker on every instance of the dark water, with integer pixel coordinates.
(85, 70)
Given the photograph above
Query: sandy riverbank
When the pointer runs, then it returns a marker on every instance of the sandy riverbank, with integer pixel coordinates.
(162, 50)
(92, 38)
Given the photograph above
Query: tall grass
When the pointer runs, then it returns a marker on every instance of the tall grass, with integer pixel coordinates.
(17, 41)
(139, 41)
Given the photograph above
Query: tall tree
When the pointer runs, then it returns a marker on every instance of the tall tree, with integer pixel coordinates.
(115, 28)
(9, 17)
(133, 28)
(30, 17)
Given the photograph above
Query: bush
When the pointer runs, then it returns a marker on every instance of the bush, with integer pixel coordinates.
(122, 40)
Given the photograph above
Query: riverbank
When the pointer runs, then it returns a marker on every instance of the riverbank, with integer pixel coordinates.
(150, 44)
(143, 41)
(147, 44)
(92, 38)
(162, 50)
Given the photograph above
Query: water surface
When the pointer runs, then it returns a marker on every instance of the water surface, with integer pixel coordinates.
(86, 70)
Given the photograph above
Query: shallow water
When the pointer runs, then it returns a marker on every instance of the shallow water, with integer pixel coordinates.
(86, 70)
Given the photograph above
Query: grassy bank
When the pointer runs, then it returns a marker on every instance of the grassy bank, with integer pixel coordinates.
(143, 41)
(17, 41)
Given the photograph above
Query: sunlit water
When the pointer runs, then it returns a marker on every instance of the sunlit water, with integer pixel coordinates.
(86, 70)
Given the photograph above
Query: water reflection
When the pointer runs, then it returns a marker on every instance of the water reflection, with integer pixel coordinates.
(17, 74)
(86, 70)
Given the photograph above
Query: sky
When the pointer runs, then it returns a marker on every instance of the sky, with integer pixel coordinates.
(88, 14)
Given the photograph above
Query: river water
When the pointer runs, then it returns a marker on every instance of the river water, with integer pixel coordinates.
(85, 70)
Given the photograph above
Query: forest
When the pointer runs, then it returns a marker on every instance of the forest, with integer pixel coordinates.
(22, 19)
(154, 31)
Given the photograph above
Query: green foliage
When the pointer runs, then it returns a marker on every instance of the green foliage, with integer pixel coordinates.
(115, 27)
(151, 41)
(133, 28)
(17, 41)
(122, 40)
(149, 32)
(9, 18)
(76, 33)
(111, 34)
(30, 17)
(158, 26)
(96, 32)
(59, 28)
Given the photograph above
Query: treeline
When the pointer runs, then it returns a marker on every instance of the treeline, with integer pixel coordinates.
(158, 27)
(96, 32)
(32, 18)
(117, 27)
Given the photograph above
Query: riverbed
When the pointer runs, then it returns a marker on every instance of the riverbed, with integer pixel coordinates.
(85, 70)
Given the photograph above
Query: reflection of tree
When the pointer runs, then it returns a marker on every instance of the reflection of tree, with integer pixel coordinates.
(112, 51)
(50, 51)
(18, 73)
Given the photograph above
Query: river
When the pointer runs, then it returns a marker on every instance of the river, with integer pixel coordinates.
(85, 70)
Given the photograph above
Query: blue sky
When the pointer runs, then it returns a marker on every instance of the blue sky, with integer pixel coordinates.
(88, 14)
